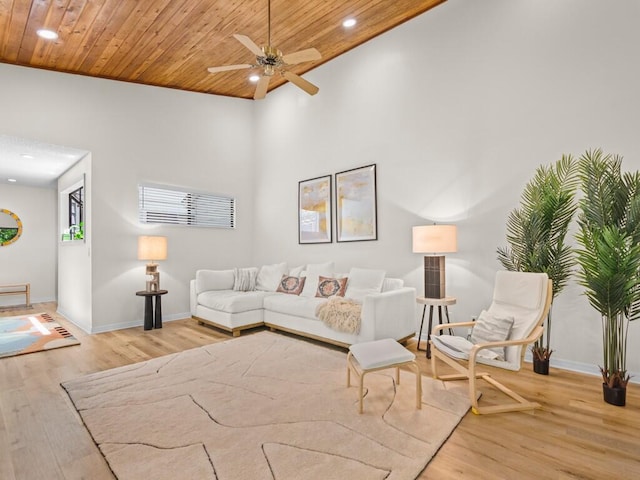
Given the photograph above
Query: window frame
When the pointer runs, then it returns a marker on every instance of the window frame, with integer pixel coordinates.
(180, 206)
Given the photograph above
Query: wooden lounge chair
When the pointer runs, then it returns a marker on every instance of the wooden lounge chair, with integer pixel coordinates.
(518, 297)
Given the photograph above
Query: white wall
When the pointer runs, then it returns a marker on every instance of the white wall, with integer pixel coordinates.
(138, 133)
(74, 257)
(31, 258)
(457, 108)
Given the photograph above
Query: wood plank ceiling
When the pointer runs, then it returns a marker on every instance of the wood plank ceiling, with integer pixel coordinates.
(170, 43)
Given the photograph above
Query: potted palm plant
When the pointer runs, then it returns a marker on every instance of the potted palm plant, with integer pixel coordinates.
(536, 233)
(609, 259)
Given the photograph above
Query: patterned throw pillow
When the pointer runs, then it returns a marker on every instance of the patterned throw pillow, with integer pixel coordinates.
(292, 285)
(328, 287)
(244, 279)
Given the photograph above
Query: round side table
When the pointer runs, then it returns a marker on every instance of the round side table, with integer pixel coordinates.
(433, 302)
(152, 315)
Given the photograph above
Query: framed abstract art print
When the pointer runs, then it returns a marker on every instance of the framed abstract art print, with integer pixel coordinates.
(356, 205)
(314, 210)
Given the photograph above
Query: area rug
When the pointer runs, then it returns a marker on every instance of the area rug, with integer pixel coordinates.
(32, 333)
(262, 406)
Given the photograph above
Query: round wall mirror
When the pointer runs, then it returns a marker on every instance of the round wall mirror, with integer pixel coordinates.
(10, 227)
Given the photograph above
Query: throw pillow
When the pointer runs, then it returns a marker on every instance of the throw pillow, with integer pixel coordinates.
(296, 271)
(269, 276)
(214, 280)
(292, 285)
(328, 287)
(314, 270)
(245, 279)
(363, 281)
(491, 328)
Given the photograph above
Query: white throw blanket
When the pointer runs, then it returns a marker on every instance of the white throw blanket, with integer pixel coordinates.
(341, 314)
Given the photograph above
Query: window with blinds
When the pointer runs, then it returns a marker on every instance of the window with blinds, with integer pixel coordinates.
(174, 206)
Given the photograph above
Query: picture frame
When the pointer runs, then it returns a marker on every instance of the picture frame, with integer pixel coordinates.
(356, 204)
(315, 210)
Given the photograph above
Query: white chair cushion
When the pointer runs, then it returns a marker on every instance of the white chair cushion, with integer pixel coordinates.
(521, 295)
(459, 347)
(363, 281)
(269, 276)
(524, 291)
(380, 353)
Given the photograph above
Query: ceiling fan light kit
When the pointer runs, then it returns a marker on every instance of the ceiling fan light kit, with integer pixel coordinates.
(271, 61)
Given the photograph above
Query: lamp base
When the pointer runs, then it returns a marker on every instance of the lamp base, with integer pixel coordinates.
(153, 285)
(434, 276)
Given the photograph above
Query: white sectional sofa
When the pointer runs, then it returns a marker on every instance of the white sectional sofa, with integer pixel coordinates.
(388, 307)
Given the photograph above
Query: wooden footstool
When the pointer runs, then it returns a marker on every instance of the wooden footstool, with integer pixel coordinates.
(369, 357)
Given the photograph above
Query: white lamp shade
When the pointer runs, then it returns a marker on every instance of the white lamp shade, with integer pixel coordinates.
(435, 239)
(152, 248)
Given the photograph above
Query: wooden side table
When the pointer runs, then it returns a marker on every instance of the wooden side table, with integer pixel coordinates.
(152, 315)
(433, 302)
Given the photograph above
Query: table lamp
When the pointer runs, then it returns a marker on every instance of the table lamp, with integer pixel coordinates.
(152, 249)
(434, 239)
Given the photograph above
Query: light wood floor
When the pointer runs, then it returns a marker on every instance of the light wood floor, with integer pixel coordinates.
(574, 436)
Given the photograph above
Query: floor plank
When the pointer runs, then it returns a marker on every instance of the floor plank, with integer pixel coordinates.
(575, 435)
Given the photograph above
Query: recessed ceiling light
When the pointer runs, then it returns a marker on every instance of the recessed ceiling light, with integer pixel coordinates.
(12, 180)
(349, 22)
(26, 155)
(254, 78)
(47, 34)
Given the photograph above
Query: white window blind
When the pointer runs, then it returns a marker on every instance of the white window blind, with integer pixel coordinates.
(174, 206)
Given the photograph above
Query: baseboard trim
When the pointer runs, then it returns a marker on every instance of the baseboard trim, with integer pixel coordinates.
(570, 365)
(138, 323)
(579, 367)
(9, 302)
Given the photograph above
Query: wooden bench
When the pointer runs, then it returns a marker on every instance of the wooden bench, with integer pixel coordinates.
(18, 289)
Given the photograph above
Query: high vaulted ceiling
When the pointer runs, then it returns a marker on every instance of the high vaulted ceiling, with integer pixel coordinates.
(170, 43)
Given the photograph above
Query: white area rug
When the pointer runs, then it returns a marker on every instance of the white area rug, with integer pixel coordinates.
(262, 406)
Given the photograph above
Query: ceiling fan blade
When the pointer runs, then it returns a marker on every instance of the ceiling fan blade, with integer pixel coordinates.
(302, 56)
(250, 44)
(261, 89)
(226, 68)
(300, 82)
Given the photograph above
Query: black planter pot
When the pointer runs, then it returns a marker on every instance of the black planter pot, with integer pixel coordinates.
(614, 396)
(541, 366)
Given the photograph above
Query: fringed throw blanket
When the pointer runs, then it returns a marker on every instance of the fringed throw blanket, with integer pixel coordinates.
(341, 314)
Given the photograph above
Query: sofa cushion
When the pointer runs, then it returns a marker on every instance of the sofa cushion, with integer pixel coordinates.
(363, 281)
(297, 306)
(245, 279)
(291, 285)
(231, 301)
(328, 287)
(314, 270)
(269, 276)
(392, 284)
(214, 280)
(296, 271)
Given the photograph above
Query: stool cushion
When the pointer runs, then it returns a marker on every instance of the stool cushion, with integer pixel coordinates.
(380, 353)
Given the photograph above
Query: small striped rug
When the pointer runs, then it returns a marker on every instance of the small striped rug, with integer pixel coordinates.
(32, 333)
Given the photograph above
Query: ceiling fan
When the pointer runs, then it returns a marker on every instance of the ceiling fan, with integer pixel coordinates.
(272, 61)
